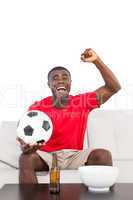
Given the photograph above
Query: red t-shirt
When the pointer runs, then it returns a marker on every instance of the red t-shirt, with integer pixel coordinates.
(69, 123)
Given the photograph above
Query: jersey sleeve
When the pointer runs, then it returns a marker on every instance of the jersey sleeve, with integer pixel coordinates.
(35, 106)
(89, 100)
(41, 105)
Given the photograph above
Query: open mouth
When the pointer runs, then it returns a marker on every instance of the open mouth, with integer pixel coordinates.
(61, 88)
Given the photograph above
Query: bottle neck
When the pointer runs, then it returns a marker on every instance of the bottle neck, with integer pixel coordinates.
(54, 160)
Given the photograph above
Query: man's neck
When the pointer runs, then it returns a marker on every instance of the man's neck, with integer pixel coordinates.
(60, 103)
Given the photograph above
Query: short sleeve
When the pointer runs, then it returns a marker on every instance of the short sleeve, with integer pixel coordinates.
(35, 106)
(92, 100)
(42, 105)
(89, 101)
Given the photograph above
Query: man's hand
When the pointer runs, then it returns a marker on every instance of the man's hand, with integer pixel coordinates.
(89, 56)
(27, 148)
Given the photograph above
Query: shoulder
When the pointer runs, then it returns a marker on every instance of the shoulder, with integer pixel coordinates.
(39, 104)
(84, 95)
(88, 100)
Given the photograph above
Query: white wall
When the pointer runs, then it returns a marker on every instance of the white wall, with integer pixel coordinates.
(36, 35)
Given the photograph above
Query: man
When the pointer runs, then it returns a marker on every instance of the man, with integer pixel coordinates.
(69, 116)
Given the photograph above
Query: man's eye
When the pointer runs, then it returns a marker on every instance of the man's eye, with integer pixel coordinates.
(55, 78)
(65, 78)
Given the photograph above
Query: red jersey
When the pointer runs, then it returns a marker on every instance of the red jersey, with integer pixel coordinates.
(69, 123)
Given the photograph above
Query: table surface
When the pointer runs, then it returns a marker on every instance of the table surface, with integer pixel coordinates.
(121, 191)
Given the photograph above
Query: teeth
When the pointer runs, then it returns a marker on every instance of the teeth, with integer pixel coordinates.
(61, 88)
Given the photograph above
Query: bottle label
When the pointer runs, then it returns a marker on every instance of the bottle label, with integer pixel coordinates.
(53, 177)
(54, 181)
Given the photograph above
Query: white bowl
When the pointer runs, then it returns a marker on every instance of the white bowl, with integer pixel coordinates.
(98, 178)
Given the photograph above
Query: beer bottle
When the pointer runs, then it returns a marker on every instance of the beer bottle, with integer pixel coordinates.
(54, 176)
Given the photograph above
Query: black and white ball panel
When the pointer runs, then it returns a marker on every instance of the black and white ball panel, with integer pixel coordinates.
(35, 126)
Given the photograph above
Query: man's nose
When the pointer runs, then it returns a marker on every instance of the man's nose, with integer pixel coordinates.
(60, 79)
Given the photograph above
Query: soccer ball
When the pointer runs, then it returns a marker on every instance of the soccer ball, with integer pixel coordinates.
(34, 127)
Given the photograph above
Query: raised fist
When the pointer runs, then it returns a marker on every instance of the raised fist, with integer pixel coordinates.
(89, 56)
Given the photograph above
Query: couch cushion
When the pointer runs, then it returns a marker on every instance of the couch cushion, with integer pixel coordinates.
(101, 131)
(124, 134)
(112, 130)
(10, 150)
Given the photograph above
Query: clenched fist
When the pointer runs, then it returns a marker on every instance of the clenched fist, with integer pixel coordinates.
(89, 56)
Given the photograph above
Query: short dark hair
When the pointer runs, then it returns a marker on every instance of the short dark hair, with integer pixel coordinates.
(58, 68)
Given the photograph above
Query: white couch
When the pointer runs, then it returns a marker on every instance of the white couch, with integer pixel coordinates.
(112, 130)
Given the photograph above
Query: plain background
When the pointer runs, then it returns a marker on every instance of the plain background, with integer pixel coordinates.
(36, 35)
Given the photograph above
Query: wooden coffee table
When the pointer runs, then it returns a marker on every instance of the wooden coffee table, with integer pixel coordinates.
(121, 191)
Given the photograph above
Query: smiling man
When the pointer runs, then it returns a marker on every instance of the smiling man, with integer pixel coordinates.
(69, 117)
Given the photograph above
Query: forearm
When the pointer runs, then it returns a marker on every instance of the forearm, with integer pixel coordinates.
(108, 76)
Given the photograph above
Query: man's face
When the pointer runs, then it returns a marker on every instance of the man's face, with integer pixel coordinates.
(60, 83)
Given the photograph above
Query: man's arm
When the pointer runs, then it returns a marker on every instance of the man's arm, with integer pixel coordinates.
(111, 86)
